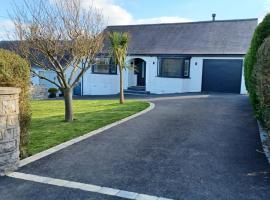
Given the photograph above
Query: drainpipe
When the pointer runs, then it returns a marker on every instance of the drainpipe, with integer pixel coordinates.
(82, 85)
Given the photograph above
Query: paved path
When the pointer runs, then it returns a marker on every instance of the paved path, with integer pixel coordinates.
(186, 148)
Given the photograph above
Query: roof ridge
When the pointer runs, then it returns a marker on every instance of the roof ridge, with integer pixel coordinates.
(194, 22)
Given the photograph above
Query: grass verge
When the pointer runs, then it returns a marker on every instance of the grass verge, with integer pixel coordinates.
(48, 128)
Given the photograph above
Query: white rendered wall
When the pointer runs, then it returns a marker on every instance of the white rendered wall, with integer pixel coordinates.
(163, 85)
(106, 84)
(131, 77)
(35, 79)
(48, 74)
(100, 84)
(93, 84)
(243, 84)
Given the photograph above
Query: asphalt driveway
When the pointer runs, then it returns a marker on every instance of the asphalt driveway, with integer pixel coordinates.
(186, 148)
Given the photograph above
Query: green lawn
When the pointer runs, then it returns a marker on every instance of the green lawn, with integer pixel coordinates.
(48, 128)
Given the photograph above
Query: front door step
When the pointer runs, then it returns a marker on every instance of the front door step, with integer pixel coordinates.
(136, 90)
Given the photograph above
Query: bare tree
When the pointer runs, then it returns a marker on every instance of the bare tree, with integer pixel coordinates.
(62, 37)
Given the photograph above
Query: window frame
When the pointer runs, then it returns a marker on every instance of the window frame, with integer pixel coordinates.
(185, 73)
(111, 65)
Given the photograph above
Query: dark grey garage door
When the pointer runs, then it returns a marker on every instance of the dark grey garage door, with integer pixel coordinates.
(222, 75)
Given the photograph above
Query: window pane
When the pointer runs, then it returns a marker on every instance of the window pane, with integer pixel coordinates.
(171, 67)
(186, 68)
(105, 66)
(101, 68)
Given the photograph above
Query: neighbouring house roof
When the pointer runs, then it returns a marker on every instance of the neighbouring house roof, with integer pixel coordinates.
(8, 45)
(228, 37)
(13, 46)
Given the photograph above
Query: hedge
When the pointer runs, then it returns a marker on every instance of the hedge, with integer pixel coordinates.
(261, 78)
(15, 72)
(262, 31)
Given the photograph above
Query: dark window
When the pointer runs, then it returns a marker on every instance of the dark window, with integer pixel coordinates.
(104, 66)
(174, 67)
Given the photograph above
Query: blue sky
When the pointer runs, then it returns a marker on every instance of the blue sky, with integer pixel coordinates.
(195, 9)
(157, 11)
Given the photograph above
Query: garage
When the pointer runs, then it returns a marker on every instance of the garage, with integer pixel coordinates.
(222, 75)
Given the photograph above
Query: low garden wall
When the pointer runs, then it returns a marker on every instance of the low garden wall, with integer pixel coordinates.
(39, 92)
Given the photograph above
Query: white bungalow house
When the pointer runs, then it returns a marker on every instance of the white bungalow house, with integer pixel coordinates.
(178, 58)
(175, 58)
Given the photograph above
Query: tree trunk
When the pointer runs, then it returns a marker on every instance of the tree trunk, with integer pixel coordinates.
(68, 92)
(122, 98)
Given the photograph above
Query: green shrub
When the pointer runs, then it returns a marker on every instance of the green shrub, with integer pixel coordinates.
(52, 92)
(261, 32)
(261, 77)
(15, 72)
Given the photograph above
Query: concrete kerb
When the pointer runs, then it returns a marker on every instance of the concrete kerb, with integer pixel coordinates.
(81, 138)
(85, 187)
(176, 97)
(265, 139)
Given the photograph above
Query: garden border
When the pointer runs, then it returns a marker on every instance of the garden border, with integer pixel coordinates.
(265, 139)
(83, 137)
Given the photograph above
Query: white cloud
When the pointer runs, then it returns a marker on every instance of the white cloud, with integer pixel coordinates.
(114, 14)
(161, 20)
(7, 29)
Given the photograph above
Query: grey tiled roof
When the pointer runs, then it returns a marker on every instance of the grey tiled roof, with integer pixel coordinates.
(229, 37)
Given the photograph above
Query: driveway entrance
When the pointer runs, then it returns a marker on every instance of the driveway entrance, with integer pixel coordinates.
(192, 147)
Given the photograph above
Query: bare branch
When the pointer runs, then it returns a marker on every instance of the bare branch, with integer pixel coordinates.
(59, 36)
(45, 78)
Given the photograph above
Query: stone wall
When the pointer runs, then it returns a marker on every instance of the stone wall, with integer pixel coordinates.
(39, 92)
(9, 129)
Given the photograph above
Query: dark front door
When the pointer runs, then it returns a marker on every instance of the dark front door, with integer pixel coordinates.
(140, 71)
(222, 75)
